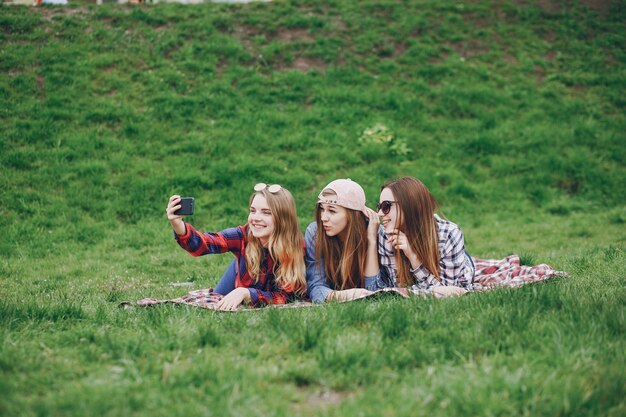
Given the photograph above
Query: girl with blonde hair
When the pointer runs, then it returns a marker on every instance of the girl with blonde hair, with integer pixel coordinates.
(269, 249)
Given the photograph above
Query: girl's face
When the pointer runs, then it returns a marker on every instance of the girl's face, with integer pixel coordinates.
(390, 219)
(260, 219)
(334, 219)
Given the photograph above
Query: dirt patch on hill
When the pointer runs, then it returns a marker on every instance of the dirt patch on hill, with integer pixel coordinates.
(49, 13)
(246, 35)
(294, 35)
(550, 6)
(305, 64)
(321, 400)
(554, 6)
(470, 49)
(602, 6)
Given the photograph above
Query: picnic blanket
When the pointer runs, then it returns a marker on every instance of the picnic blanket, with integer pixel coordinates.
(508, 272)
(207, 298)
(490, 274)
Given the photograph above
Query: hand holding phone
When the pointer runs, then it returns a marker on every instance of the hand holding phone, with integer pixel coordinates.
(176, 209)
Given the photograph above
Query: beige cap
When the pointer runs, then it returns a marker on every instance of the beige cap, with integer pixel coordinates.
(349, 195)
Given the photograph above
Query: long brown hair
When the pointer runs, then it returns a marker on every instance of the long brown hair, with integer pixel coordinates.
(344, 260)
(416, 218)
(285, 244)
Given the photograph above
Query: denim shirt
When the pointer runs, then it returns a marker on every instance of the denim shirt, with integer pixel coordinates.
(318, 287)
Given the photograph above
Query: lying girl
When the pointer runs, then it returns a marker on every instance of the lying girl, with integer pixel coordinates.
(417, 248)
(269, 249)
(341, 245)
(426, 253)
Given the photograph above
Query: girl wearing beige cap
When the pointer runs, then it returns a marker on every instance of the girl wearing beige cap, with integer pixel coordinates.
(341, 245)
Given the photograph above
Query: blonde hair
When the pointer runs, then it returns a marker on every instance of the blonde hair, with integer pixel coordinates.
(344, 261)
(286, 244)
(416, 218)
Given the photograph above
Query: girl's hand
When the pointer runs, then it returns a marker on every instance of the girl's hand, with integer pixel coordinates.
(233, 299)
(373, 224)
(399, 241)
(175, 220)
(173, 205)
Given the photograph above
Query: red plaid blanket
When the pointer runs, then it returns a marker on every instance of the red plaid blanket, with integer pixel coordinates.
(206, 298)
(507, 272)
(490, 274)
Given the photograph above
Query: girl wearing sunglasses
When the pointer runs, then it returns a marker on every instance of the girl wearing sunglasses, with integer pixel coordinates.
(341, 245)
(269, 250)
(417, 248)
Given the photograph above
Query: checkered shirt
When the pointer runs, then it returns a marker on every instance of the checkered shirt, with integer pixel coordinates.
(456, 265)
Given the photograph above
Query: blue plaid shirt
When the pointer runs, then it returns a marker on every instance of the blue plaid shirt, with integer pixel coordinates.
(457, 267)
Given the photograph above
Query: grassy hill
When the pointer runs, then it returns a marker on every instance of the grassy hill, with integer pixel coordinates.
(512, 112)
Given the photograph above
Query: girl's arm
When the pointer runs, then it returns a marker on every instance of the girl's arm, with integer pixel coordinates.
(454, 265)
(260, 297)
(387, 264)
(371, 265)
(198, 244)
(317, 288)
(201, 244)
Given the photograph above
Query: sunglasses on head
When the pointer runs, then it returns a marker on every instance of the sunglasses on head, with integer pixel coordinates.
(274, 188)
(385, 206)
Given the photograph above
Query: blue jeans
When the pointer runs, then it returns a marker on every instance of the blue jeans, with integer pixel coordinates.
(227, 282)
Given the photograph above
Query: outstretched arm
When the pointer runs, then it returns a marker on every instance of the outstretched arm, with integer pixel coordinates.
(198, 243)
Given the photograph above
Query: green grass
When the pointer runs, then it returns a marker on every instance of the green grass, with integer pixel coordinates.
(511, 112)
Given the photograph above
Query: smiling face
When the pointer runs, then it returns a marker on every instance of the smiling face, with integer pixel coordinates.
(391, 220)
(260, 219)
(334, 219)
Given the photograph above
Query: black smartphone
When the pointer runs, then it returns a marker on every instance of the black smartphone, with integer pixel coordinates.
(186, 207)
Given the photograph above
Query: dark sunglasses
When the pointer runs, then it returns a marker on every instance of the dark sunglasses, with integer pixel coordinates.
(385, 206)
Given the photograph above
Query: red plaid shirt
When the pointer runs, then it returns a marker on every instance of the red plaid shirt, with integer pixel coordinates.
(265, 290)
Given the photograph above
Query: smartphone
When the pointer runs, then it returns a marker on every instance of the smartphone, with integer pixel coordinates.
(186, 207)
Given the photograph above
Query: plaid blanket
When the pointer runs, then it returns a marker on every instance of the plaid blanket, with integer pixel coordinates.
(507, 272)
(206, 298)
(490, 274)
